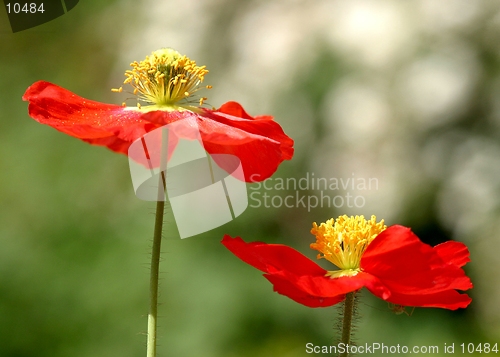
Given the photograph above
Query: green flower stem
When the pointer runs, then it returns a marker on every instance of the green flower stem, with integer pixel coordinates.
(155, 254)
(153, 281)
(347, 322)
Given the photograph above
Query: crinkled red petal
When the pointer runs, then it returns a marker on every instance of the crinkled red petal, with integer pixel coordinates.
(452, 252)
(411, 268)
(284, 287)
(396, 253)
(272, 257)
(267, 126)
(236, 110)
(259, 142)
(449, 299)
(94, 122)
(324, 286)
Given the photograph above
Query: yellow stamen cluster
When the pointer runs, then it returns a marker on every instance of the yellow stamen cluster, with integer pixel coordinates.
(344, 240)
(165, 78)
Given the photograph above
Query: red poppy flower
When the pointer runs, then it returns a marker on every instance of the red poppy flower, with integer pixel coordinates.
(392, 263)
(165, 80)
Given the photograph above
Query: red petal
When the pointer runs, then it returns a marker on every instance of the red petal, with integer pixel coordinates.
(410, 268)
(285, 287)
(272, 257)
(452, 252)
(449, 299)
(259, 142)
(397, 251)
(429, 283)
(326, 287)
(265, 126)
(234, 109)
(82, 118)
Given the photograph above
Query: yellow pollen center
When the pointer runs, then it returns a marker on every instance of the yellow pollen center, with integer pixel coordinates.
(165, 78)
(344, 240)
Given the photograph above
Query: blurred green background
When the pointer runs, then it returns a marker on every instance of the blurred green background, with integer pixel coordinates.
(406, 92)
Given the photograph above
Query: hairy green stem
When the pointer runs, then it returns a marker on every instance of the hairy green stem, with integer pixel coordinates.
(155, 254)
(153, 280)
(347, 322)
